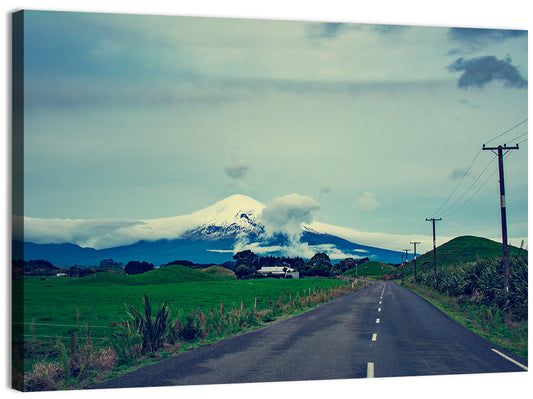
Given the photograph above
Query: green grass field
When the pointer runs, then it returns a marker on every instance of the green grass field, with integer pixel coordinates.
(59, 306)
(372, 269)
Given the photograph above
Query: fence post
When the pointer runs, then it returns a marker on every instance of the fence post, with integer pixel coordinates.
(255, 305)
(269, 303)
(221, 308)
(242, 305)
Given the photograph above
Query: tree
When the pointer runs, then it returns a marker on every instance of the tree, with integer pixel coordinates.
(319, 265)
(246, 258)
(136, 267)
(110, 263)
(243, 271)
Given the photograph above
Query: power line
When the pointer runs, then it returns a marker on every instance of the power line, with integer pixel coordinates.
(506, 155)
(507, 131)
(469, 188)
(517, 137)
(473, 195)
(449, 210)
(458, 184)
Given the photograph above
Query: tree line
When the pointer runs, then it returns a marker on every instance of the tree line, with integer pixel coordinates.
(248, 263)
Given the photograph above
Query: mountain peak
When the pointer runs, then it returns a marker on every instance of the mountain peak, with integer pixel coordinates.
(229, 216)
(240, 201)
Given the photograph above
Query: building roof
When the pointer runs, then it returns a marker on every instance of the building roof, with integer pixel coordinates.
(275, 269)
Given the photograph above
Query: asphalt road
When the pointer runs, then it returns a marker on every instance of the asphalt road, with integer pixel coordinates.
(381, 331)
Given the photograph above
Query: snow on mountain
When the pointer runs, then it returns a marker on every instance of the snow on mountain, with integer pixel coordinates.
(211, 234)
(230, 216)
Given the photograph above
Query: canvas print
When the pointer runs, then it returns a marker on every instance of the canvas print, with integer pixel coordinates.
(219, 200)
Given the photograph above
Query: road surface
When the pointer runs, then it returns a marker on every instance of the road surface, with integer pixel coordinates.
(380, 331)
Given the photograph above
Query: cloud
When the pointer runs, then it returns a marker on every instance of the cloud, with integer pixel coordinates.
(393, 242)
(286, 215)
(390, 29)
(368, 202)
(237, 169)
(472, 39)
(479, 71)
(86, 233)
(324, 191)
(326, 30)
(300, 249)
(457, 174)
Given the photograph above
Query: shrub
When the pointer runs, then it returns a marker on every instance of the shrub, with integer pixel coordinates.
(44, 377)
(153, 330)
(482, 282)
(188, 330)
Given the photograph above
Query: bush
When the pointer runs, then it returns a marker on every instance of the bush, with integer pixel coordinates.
(136, 267)
(482, 282)
(188, 330)
(152, 330)
(44, 377)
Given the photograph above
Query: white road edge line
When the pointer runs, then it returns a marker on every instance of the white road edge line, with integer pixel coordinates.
(377, 321)
(511, 360)
(374, 337)
(370, 370)
(379, 309)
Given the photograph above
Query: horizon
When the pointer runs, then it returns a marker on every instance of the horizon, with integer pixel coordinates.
(293, 215)
(138, 117)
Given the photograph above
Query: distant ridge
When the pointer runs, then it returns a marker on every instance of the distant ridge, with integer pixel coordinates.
(208, 236)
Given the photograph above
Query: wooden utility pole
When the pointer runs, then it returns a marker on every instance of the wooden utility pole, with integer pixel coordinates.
(433, 220)
(405, 266)
(414, 250)
(499, 151)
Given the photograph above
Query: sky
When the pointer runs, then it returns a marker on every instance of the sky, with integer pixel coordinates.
(131, 117)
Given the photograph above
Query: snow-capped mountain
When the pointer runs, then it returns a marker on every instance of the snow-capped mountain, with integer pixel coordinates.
(210, 235)
(227, 218)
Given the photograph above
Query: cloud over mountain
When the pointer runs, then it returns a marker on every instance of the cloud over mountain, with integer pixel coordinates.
(287, 213)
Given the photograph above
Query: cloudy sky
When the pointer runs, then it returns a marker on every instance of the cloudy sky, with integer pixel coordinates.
(141, 117)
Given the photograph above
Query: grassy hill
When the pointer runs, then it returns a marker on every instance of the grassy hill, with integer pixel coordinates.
(372, 269)
(466, 249)
(458, 251)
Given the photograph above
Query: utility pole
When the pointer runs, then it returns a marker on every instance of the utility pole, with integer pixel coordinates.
(414, 250)
(405, 266)
(499, 151)
(433, 220)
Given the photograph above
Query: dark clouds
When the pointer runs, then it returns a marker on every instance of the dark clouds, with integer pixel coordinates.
(479, 71)
(472, 39)
(237, 169)
(458, 173)
(327, 30)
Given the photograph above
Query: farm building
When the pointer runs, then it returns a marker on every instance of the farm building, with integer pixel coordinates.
(286, 272)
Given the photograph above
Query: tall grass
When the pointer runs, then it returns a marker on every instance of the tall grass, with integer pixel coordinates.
(482, 282)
